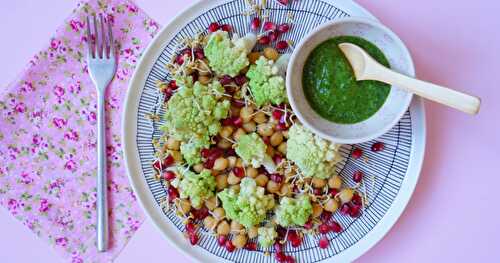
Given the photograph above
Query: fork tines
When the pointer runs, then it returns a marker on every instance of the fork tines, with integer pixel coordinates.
(100, 41)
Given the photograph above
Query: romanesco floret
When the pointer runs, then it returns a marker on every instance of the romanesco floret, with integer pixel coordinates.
(265, 83)
(193, 115)
(249, 206)
(293, 212)
(314, 156)
(267, 235)
(224, 57)
(198, 187)
(251, 149)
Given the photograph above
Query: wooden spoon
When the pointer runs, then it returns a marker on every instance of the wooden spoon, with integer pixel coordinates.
(367, 68)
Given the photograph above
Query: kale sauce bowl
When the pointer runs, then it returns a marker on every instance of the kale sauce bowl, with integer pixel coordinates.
(384, 117)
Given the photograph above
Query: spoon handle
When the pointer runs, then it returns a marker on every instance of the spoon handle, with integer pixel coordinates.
(452, 98)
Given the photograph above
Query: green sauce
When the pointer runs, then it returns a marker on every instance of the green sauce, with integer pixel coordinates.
(331, 88)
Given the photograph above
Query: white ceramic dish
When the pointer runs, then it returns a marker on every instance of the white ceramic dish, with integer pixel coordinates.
(396, 168)
(394, 107)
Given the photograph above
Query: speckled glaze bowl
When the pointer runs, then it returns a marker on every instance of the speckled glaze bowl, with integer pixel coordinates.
(391, 111)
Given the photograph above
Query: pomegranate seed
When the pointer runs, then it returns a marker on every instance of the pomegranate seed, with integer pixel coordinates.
(205, 152)
(317, 191)
(323, 242)
(269, 26)
(209, 163)
(157, 165)
(179, 59)
(283, 28)
(213, 27)
(277, 178)
(221, 240)
(326, 216)
(255, 24)
(239, 172)
(280, 257)
(290, 259)
(281, 45)
(226, 80)
(252, 246)
(324, 228)
(264, 40)
(240, 80)
(230, 152)
(378, 146)
(344, 209)
(357, 153)
(266, 139)
(226, 27)
(215, 153)
(169, 175)
(193, 239)
(227, 122)
(308, 225)
(172, 193)
(277, 114)
(281, 127)
(273, 36)
(357, 176)
(335, 227)
(355, 211)
(238, 122)
(277, 159)
(238, 103)
(172, 85)
(169, 160)
(333, 192)
(229, 246)
(229, 90)
(190, 227)
(201, 213)
(284, 2)
(356, 199)
(278, 248)
(199, 53)
(294, 238)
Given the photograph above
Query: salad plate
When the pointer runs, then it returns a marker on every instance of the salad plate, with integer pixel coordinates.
(393, 172)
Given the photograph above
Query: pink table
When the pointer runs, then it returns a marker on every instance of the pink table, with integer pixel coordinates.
(453, 216)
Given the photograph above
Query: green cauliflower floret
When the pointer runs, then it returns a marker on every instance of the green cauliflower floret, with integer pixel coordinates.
(293, 212)
(267, 235)
(193, 115)
(198, 187)
(252, 150)
(314, 156)
(224, 57)
(265, 83)
(249, 206)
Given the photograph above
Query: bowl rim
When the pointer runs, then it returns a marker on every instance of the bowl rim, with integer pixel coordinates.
(406, 57)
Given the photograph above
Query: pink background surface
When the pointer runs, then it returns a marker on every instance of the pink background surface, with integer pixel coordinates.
(453, 215)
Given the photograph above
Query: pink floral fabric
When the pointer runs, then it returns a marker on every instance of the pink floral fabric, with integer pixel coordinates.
(48, 137)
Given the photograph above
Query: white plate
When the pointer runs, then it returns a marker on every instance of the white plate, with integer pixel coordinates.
(396, 169)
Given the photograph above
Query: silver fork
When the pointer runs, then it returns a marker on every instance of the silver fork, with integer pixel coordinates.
(102, 67)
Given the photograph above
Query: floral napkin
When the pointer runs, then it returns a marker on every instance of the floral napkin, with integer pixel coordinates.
(48, 137)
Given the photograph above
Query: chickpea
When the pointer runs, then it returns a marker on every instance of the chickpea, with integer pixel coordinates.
(210, 222)
(335, 182)
(234, 111)
(332, 205)
(177, 156)
(260, 117)
(232, 179)
(219, 213)
(272, 187)
(286, 189)
(183, 205)
(345, 195)
(239, 163)
(215, 172)
(261, 180)
(203, 68)
(220, 164)
(240, 241)
(224, 144)
(236, 227)
(236, 188)
(232, 161)
(249, 126)
(238, 133)
(252, 172)
(198, 168)
(265, 129)
(270, 151)
(226, 131)
(223, 228)
(317, 210)
(318, 183)
(204, 79)
(173, 144)
(271, 53)
(246, 113)
(276, 139)
(285, 134)
(253, 232)
(245, 70)
(282, 148)
(221, 181)
(211, 203)
(254, 56)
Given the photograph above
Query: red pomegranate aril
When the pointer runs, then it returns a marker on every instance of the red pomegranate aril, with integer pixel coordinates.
(335, 227)
(169, 160)
(277, 159)
(355, 211)
(277, 247)
(201, 213)
(205, 152)
(213, 27)
(281, 45)
(266, 139)
(240, 80)
(169, 175)
(190, 227)
(290, 259)
(283, 28)
(215, 153)
(239, 172)
(273, 36)
(323, 242)
(199, 53)
(229, 246)
(357, 153)
(356, 199)
(252, 246)
(209, 163)
(221, 240)
(309, 224)
(324, 228)
(280, 257)
(157, 165)
(172, 193)
(345, 208)
(226, 27)
(264, 40)
(333, 192)
(193, 239)
(238, 103)
(172, 85)
(255, 24)
(294, 238)
(281, 127)
(357, 176)
(326, 216)
(317, 191)
(179, 59)
(284, 2)
(277, 114)
(225, 80)
(269, 26)
(238, 122)
(378, 146)
(277, 178)
(230, 152)
(227, 122)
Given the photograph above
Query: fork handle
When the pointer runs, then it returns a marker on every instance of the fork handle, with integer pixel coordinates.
(102, 181)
